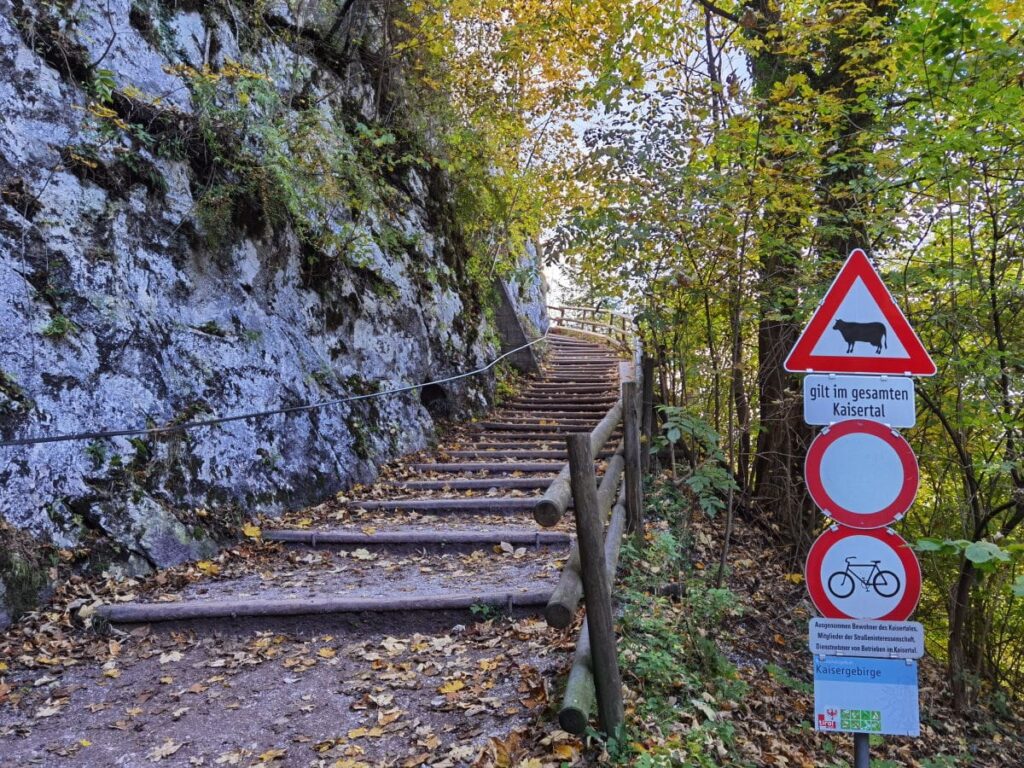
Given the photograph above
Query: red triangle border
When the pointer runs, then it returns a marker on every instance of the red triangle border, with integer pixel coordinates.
(801, 359)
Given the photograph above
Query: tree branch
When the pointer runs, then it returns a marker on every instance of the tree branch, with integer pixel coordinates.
(720, 11)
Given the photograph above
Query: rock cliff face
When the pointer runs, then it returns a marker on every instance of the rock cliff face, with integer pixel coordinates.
(202, 215)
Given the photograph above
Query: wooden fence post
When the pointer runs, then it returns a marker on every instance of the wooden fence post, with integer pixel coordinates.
(596, 588)
(631, 452)
(647, 412)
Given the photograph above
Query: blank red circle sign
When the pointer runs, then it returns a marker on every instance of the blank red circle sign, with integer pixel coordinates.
(870, 575)
(861, 473)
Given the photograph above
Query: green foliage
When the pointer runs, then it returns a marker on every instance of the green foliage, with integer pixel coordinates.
(59, 327)
(719, 200)
(97, 452)
(21, 574)
(709, 477)
(484, 611)
(670, 658)
(102, 85)
(788, 680)
(508, 382)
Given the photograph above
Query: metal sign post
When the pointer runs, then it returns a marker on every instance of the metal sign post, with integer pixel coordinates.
(861, 750)
(862, 577)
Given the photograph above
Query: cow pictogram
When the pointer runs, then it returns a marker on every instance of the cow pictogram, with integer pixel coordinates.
(873, 333)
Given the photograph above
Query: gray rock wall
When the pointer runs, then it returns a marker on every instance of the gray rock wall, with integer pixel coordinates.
(121, 306)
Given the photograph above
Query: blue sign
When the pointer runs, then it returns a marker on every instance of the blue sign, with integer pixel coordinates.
(857, 695)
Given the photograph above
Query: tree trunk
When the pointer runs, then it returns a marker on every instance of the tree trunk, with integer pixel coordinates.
(959, 656)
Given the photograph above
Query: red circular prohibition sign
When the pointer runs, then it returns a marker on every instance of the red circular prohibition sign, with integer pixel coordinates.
(883, 517)
(903, 610)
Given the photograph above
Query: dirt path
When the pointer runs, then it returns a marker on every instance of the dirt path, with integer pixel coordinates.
(386, 687)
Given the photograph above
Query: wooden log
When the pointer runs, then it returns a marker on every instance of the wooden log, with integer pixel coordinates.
(580, 700)
(515, 454)
(579, 403)
(525, 425)
(596, 587)
(647, 412)
(359, 538)
(545, 444)
(552, 505)
(566, 596)
(560, 406)
(545, 387)
(562, 417)
(137, 613)
(475, 484)
(483, 504)
(631, 444)
(549, 437)
(491, 468)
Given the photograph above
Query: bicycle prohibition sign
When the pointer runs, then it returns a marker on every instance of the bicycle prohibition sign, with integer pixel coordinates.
(842, 583)
(863, 574)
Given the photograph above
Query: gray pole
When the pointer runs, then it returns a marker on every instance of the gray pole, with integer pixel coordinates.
(861, 744)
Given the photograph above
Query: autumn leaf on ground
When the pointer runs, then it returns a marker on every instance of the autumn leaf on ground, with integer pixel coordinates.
(168, 748)
(209, 568)
(326, 653)
(48, 711)
(272, 754)
(452, 686)
(252, 531)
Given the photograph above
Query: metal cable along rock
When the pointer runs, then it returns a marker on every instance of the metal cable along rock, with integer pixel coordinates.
(94, 435)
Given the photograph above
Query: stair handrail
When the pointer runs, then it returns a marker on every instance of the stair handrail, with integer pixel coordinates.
(618, 327)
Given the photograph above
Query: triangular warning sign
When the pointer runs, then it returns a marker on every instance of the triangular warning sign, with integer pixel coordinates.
(858, 328)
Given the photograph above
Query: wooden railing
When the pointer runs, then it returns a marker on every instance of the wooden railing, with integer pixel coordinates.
(604, 322)
(594, 684)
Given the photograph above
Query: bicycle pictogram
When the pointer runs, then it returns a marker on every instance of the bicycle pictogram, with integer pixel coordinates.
(842, 583)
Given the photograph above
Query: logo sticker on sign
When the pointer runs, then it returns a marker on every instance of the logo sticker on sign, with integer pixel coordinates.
(866, 696)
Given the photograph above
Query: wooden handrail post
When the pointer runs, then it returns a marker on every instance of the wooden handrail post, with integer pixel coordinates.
(552, 505)
(596, 587)
(631, 452)
(647, 412)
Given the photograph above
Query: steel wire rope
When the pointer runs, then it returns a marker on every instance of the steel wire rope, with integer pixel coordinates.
(99, 435)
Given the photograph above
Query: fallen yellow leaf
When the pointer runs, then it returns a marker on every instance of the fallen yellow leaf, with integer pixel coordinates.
(252, 531)
(326, 653)
(272, 754)
(452, 686)
(563, 752)
(211, 569)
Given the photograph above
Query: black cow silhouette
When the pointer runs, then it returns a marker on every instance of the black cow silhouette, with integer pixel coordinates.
(872, 333)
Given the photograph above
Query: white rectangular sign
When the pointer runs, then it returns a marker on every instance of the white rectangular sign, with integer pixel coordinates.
(886, 399)
(866, 696)
(873, 639)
